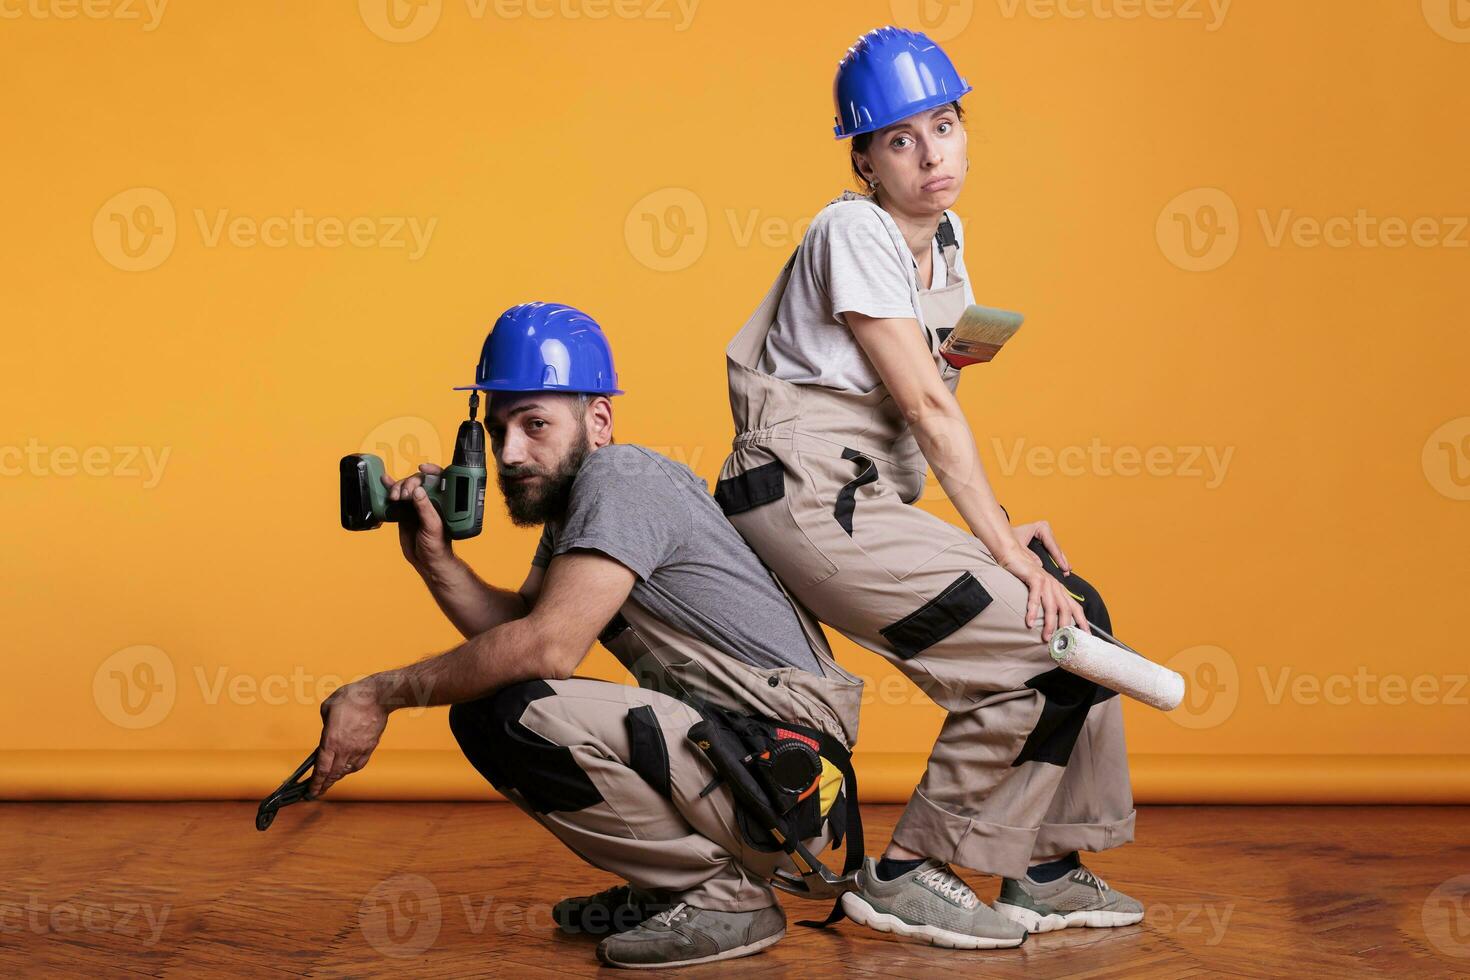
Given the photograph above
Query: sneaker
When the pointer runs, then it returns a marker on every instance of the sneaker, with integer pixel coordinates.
(615, 909)
(1078, 898)
(930, 904)
(685, 935)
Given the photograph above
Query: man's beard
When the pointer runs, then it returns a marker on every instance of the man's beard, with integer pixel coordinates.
(545, 499)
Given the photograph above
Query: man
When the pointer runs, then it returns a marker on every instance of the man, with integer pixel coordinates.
(636, 553)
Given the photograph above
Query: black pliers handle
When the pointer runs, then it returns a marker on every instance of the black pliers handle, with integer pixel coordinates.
(293, 790)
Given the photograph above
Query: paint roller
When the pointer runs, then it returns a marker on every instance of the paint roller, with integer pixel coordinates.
(1116, 667)
(976, 339)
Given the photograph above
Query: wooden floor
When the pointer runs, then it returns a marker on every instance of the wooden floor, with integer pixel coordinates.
(464, 889)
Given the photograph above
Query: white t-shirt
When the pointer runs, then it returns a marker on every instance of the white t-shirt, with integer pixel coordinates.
(852, 259)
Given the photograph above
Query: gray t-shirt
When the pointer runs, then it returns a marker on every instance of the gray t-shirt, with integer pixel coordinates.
(853, 259)
(694, 570)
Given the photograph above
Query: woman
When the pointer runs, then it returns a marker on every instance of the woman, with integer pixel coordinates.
(840, 398)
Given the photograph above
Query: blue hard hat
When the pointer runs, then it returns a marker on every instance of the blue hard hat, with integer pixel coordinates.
(891, 74)
(546, 347)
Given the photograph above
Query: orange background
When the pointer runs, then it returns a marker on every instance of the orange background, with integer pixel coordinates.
(1330, 551)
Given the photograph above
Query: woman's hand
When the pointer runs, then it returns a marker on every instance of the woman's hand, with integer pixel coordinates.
(899, 354)
(1045, 595)
(1041, 529)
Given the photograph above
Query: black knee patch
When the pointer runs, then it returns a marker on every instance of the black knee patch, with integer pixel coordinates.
(512, 756)
(1082, 590)
(961, 601)
(649, 756)
(1087, 597)
(469, 722)
(1066, 700)
(756, 486)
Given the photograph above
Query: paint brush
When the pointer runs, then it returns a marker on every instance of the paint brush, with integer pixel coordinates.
(979, 334)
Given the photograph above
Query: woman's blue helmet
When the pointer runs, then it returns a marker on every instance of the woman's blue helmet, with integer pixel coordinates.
(891, 74)
(546, 347)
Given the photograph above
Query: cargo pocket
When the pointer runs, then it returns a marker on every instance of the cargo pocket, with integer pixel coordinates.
(825, 496)
(960, 601)
(866, 519)
(648, 754)
(751, 501)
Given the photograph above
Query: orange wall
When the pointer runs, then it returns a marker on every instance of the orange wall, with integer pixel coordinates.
(1255, 437)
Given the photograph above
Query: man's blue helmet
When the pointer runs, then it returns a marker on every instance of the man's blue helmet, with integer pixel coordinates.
(546, 347)
(891, 74)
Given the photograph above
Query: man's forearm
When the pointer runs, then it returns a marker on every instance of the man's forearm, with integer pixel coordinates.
(507, 654)
(470, 604)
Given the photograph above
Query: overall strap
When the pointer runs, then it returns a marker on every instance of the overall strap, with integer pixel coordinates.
(949, 246)
(746, 346)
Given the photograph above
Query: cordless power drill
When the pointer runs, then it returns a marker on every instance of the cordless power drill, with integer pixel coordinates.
(458, 494)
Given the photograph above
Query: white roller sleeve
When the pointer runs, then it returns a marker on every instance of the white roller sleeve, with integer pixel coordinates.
(1114, 667)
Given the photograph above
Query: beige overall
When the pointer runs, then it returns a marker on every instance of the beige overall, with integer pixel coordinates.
(821, 482)
(609, 770)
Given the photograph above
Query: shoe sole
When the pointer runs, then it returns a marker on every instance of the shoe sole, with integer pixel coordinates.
(1034, 921)
(859, 911)
(728, 954)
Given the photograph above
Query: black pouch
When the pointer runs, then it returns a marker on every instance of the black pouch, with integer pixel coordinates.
(786, 761)
(775, 773)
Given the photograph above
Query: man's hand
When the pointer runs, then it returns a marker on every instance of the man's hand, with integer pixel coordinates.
(583, 590)
(1041, 529)
(424, 541)
(352, 723)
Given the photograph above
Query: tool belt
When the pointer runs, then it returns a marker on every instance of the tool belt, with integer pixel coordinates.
(785, 779)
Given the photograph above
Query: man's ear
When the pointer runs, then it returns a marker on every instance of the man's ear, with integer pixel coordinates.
(600, 421)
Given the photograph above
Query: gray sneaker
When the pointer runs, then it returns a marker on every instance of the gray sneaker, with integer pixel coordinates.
(1078, 898)
(685, 935)
(930, 904)
(615, 909)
